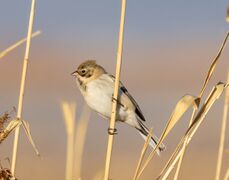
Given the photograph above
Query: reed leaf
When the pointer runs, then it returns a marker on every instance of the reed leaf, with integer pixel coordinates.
(207, 79)
(14, 46)
(182, 106)
(29, 136)
(10, 127)
(144, 148)
(213, 96)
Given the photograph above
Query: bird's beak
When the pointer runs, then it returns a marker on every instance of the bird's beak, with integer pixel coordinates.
(74, 73)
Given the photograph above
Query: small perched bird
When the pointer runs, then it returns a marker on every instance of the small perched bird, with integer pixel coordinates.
(97, 87)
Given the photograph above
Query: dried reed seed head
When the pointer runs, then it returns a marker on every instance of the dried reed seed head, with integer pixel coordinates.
(5, 117)
(6, 174)
(227, 18)
(3, 120)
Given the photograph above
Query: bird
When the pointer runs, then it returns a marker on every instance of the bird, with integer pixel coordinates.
(97, 87)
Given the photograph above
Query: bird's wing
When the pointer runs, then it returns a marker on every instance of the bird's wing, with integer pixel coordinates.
(125, 91)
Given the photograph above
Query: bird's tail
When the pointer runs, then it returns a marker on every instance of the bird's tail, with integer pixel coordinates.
(144, 131)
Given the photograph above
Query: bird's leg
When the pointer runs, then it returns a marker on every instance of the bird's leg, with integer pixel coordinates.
(112, 131)
(118, 102)
(114, 99)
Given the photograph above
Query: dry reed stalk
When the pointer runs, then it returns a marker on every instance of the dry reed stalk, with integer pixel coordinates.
(144, 148)
(227, 15)
(223, 132)
(197, 101)
(22, 87)
(170, 160)
(6, 130)
(184, 147)
(9, 128)
(182, 106)
(226, 177)
(3, 120)
(26, 127)
(69, 117)
(80, 136)
(213, 65)
(116, 89)
(213, 96)
(99, 175)
(5, 174)
(207, 79)
(12, 47)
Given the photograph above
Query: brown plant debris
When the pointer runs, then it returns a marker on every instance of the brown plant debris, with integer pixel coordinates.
(6, 174)
(3, 120)
(5, 127)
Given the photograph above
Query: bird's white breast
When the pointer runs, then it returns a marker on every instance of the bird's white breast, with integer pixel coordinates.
(99, 94)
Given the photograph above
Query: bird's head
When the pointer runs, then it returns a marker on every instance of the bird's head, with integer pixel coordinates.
(88, 71)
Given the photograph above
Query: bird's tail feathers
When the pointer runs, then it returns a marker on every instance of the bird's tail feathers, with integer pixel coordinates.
(143, 131)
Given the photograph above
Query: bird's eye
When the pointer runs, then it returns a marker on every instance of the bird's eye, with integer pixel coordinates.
(83, 71)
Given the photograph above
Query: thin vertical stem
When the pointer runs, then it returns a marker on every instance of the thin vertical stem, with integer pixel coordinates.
(22, 87)
(116, 89)
(183, 148)
(223, 132)
(226, 177)
(144, 148)
(80, 137)
(69, 117)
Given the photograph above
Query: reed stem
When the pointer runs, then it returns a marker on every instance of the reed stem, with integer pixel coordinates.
(223, 133)
(22, 87)
(116, 89)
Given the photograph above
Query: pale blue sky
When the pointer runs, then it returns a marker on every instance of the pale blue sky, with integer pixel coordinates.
(73, 20)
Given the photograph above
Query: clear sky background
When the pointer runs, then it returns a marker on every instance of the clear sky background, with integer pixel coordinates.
(168, 47)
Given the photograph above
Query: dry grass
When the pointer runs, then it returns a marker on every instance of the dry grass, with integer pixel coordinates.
(181, 107)
(69, 117)
(14, 46)
(22, 87)
(179, 110)
(223, 133)
(7, 127)
(208, 77)
(181, 153)
(76, 134)
(226, 177)
(143, 152)
(80, 138)
(6, 174)
(213, 96)
(116, 89)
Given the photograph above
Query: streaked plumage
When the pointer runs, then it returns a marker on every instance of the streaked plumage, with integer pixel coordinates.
(97, 87)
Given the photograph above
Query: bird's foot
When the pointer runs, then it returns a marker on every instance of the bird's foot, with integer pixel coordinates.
(112, 131)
